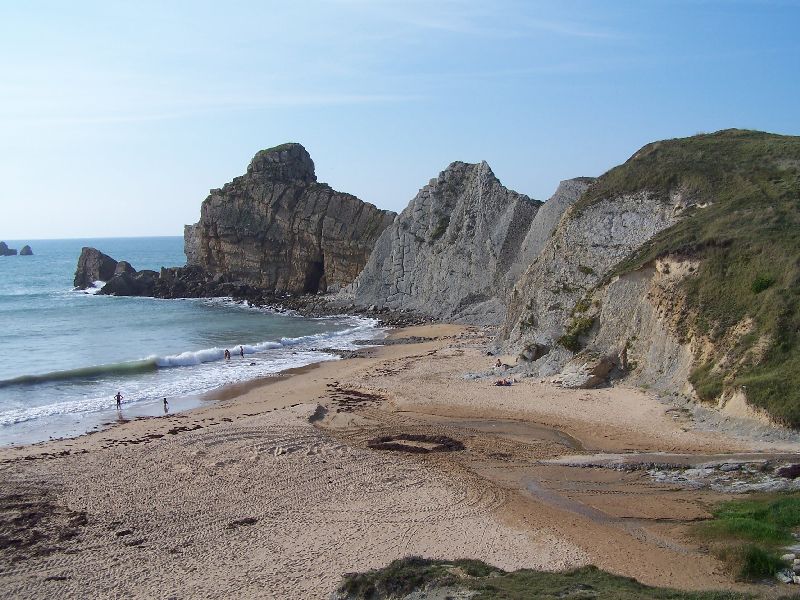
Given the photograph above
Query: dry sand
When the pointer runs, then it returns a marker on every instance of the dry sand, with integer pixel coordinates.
(277, 489)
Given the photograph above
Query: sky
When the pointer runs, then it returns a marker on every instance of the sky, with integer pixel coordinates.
(116, 118)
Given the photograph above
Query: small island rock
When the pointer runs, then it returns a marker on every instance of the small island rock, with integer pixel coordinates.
(93, 266)
(6, 251)
(26, 251)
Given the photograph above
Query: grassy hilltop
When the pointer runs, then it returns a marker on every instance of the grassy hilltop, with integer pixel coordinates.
(746, 236)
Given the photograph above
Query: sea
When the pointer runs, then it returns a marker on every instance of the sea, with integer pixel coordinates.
(65, 354)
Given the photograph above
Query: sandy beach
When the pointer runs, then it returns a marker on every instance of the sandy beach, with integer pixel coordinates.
(279, 487)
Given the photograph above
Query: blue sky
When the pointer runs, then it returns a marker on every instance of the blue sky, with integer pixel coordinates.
(116, 118)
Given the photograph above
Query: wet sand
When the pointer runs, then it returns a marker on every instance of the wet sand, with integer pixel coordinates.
(281, 486)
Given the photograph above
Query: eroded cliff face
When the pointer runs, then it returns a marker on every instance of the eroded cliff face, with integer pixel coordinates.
(639, 320)
(277, 229)
(553, 308)
(453, 251)
(679, 270)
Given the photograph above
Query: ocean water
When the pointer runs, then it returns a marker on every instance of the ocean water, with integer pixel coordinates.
(65, 353)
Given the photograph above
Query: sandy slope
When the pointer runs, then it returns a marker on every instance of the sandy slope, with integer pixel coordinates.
(263, 495)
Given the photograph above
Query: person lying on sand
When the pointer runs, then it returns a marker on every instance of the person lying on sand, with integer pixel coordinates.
(504, 382)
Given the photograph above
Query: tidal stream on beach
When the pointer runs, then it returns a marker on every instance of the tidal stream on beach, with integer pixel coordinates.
(67, 353)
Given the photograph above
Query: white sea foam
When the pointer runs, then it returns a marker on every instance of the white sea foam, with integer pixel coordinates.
(195, 372)
(340, 340)
(93, 290)
(170, 384)
(185, 359)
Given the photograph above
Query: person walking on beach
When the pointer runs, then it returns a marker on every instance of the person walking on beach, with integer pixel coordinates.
(119, 398)
(241, 351)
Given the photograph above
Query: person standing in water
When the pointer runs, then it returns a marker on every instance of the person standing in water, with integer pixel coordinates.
(241, 351)
(227, 354)
(166, 406)
(119, 398)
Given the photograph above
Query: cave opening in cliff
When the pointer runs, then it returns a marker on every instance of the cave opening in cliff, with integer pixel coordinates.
(315, 277)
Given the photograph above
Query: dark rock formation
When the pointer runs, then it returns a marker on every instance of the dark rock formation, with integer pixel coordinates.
(124, 266)
(93, 266)
(127, 283)
(790, 471)
(275, 228)
(176, 282)
(26, 251)
(6, 251)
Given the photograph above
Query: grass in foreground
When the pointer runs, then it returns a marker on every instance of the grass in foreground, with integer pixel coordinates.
(401, 577)
(749, 535)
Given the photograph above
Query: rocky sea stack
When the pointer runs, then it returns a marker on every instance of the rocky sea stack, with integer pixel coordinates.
(93, 266)
(6, 251)
(279, 230)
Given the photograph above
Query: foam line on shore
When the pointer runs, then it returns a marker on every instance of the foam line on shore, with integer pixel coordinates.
(183, 359)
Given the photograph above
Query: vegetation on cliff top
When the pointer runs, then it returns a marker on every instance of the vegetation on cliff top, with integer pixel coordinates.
(402, 577)
(745, 232)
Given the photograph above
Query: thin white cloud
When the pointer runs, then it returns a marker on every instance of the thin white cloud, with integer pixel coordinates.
(570, 29)
(202, 106)
(475, 18)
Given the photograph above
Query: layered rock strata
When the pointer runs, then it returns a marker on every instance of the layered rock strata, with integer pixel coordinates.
(279, 230)
(661, 269)
(452, 252)
(551, 306)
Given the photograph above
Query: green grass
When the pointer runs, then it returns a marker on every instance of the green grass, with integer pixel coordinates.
(404, 576)
(749, 534)
(757, 563)
(441, 228)
(573, 337)
(747, 243)
(766, 519)
(707, 384)
(761, 283)
(581, 306)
